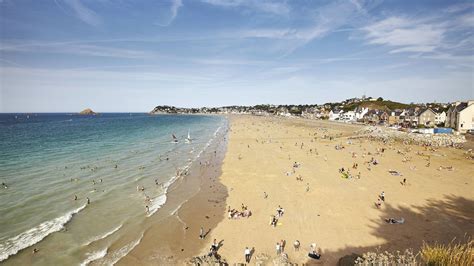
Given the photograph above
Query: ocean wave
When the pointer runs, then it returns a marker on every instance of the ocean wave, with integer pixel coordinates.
(156, 204)
(123, 251)
(35, 234)
(93, 256)
(97, 238)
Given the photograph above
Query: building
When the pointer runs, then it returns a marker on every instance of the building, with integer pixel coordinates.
(426, 117)
(360, 112)
(348, 116)
(335, 114)
(460, 116)
(396, 117)
(376, 117)
(440, 118)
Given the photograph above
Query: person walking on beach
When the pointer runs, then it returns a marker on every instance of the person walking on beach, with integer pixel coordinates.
(88, 200)
(382, 196)
(282, 245)
(247, 255)
(278, 248)
(201, 233)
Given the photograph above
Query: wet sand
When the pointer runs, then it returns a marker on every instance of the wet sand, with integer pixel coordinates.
(175, 239)
(337, 214)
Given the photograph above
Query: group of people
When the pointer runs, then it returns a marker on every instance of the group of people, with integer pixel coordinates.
(274, 218)
(235, 214)
(380, 200)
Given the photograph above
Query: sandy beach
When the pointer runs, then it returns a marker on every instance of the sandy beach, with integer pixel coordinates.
(338, 214)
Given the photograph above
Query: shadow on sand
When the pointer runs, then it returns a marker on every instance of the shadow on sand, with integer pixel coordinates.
(437, 221)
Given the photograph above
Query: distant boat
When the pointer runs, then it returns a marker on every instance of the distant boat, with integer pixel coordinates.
(188, 139)
(175, 139)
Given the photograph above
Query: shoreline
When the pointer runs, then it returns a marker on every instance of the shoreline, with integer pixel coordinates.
(175, 238)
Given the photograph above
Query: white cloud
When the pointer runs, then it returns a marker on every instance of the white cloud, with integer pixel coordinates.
(72, 48)
(83, 13)
(173, 12)
(405, 34)
(279, 8)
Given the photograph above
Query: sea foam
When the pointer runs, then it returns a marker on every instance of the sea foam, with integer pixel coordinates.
(93, 256)
(35, 234)
(97, 238)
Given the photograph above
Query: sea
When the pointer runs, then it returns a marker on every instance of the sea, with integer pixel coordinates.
(75, 185)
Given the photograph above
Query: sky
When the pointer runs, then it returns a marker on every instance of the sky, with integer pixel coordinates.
(132, 55)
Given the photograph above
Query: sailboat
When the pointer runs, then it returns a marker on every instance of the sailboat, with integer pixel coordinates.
(175, 139)
(188, 139)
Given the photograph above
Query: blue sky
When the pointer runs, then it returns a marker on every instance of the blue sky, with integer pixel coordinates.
(128, 55)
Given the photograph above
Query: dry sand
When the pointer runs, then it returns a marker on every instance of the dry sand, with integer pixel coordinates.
(337, 214)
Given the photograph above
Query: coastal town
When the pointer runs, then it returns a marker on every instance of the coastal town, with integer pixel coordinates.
(427, 118)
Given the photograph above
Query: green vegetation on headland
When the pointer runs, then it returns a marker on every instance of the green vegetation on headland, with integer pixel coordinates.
(346, 105)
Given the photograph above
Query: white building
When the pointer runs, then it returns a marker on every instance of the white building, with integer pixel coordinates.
(440, 118)
(460, 116)
(348, 116)
(360, 112)
(335, 115)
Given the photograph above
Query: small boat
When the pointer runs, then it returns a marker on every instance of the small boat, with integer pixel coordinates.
(188, 139)
(175, 139)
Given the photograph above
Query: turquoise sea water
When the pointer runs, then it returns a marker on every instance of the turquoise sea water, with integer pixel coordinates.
(48, 159)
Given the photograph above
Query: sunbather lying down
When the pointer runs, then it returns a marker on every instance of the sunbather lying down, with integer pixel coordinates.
(395, 221)
(314, 255)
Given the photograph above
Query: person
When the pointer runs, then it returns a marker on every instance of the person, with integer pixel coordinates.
(4, 185)
(282, 245)
(296, 245)
(265, 195)
(75, 197)
(404, 181)
(278, 248)
(280, 211)
(215, 245)
(147, 209)
(378, 204)
(274, 221)
(201, 233)
(382, 196)
(88, 200)
(247, 255)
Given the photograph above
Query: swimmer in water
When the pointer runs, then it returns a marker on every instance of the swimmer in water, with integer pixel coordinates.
(4, 185)
(75, 197)
(88, 200)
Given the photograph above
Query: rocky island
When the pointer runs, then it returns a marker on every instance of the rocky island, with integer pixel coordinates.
(87, 111)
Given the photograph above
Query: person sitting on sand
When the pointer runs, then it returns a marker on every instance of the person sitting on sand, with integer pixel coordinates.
(394, 221)
(296, 245)
(382, 196)
(280, 211)
(378, 204)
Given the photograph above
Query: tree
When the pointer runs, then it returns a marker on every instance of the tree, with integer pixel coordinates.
(379, 99)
